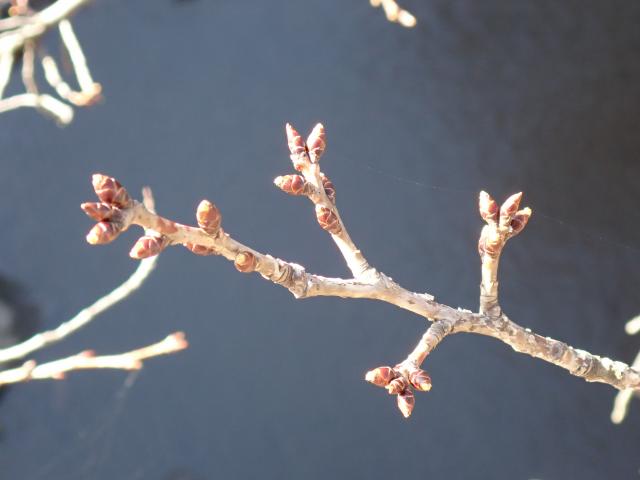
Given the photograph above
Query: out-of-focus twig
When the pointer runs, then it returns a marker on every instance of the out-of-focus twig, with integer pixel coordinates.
(19, 40)
(86, 360)
(623, 398)
(394, 13)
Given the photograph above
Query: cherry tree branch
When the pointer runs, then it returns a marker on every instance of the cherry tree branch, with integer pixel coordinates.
(117, 211)
(87, 359)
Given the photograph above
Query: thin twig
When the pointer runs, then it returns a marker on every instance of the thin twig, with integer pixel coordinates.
(87, 360)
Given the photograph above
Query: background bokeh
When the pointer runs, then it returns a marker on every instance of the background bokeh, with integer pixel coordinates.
(538, 96)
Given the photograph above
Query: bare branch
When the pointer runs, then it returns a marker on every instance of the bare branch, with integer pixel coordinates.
(87, 360)
(117, 211)
(19, 39)
(82, 318)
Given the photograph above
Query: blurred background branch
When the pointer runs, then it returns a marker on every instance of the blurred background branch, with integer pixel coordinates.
(21, 32)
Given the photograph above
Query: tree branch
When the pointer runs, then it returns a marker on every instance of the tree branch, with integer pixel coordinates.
(19, 39)
(87, 360)
(116, 212)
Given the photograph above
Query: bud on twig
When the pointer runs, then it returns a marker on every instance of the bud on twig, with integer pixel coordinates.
(509, 208)
(520, 220)
(245, 262)
(103, 232)
(488, 208)
(380, 376)
(110, 191)
(397, 386)
(316, 143)
(98, 211)
(329, 189)
(209, 217)
(297, 148)
(420, 380)
(148, 246)
(292, 184)
(328, 220)
(406, 402)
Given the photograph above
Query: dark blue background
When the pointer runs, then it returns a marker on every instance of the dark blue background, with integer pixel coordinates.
(505, 96)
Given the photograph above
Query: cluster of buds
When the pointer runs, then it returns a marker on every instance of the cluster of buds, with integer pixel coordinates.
(114, 198)
(303, 153)
(393, 380)
(502, 223)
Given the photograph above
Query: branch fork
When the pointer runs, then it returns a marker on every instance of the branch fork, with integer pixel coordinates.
(116, 212)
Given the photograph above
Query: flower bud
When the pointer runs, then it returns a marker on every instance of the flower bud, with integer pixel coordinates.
(148, 246)
(328, 220)
(509, 208)
(397, 386)
(520, 220)
(292, 184)
(98, 211)
(110, 191)
(200, 249)
(245, 262)
(488, 208)
(420, 380)
(316, 143)
(380, 376)
(406, 402)
(209, 217)
(103, 232)
(294, 139)
(329, 189)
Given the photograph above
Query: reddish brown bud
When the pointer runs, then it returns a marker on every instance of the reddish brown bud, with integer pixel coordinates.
(328, 220)
(329, 189)
(380, 376)
(406, 402)
(397, 386)
(98, 211)
(488, 208)
(148, 246)
(110, 191)
(420, 380)
(200, 249)
(103, 232)
(509, 208)
(292, 184)
(209, 217)
(316, 143)
(520, 220)
(245, 262)
(294, 139)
